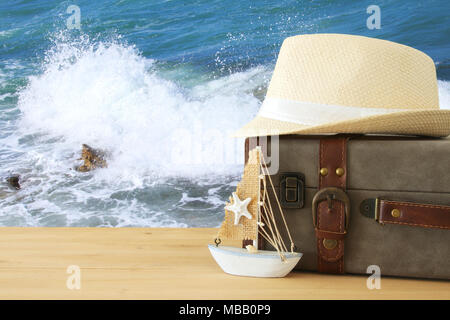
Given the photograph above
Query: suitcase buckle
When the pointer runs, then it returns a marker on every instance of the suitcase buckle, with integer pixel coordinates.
(329, 194)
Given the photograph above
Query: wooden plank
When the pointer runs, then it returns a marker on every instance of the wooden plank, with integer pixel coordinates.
(150, 263)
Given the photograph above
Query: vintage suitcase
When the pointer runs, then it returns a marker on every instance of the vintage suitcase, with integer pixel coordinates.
(356, 201)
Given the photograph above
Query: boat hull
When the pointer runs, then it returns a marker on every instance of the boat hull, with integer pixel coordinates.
(265, 264)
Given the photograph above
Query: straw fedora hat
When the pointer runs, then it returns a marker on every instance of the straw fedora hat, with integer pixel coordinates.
(337, 83)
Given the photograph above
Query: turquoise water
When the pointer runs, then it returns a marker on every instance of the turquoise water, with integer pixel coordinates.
(159, 85)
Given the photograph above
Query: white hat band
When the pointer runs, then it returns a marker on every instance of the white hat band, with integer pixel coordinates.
(313, 114)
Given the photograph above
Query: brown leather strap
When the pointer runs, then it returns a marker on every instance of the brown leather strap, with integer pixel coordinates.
(414, 214)
(330, 220)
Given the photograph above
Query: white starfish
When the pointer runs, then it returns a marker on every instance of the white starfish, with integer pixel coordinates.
(239, 208)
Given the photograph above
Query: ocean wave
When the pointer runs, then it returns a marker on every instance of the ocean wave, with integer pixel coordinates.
(444, 94)
(111, 97)
(171, 158)
(8, 33)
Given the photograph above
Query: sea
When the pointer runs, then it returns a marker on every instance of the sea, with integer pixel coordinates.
(160, 86)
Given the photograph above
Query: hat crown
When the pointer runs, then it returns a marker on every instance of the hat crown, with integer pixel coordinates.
(356, 71)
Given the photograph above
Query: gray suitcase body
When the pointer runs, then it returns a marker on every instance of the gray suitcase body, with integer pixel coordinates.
(394, 168)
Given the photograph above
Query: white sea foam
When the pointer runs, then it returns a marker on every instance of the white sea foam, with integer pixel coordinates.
(7, 33)
(171, 160)
(6, 95)
(109, 96)
(444, 94)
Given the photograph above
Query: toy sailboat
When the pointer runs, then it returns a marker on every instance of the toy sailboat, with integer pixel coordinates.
(248, 215)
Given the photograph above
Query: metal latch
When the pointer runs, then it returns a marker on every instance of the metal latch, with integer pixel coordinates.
(292, 190)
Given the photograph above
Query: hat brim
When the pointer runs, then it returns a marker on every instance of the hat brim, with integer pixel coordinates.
(434, 123)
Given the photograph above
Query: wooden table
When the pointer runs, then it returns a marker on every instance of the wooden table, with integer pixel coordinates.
(160, 263)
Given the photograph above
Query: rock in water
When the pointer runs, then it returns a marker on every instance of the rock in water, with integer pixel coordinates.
(93, 158)
(14, 181)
